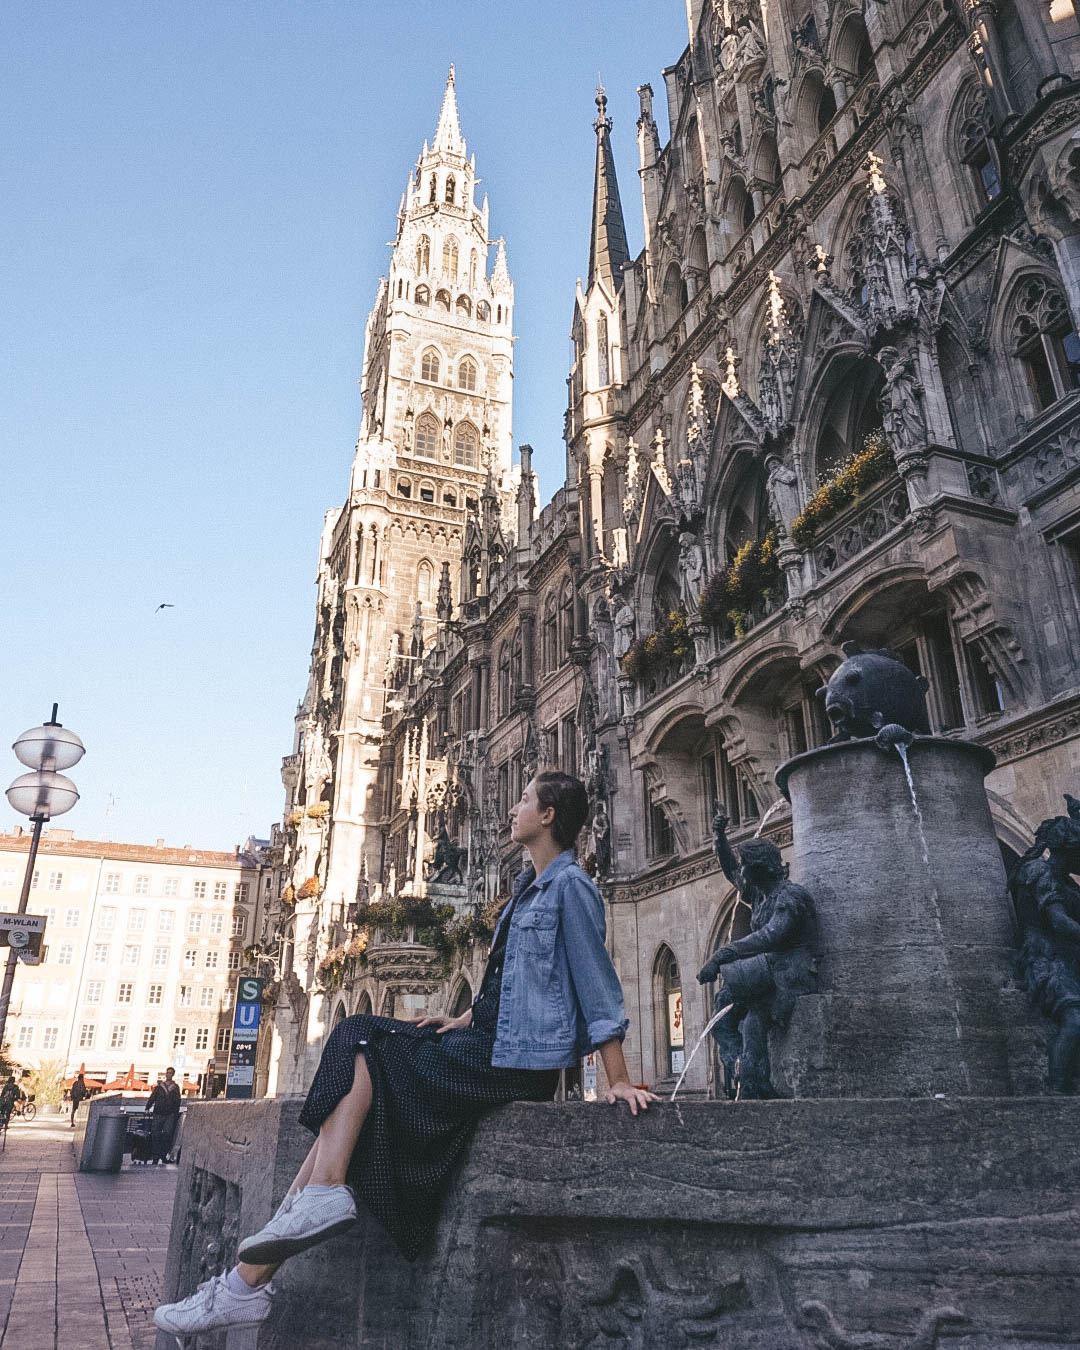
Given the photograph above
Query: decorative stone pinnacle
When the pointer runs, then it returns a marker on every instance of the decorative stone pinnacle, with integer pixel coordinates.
(697, 398)
(731, 379)
(603, 121)
(777, 316)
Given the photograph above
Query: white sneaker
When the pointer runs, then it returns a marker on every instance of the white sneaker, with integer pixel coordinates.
(214, 1305)
(304, 1219)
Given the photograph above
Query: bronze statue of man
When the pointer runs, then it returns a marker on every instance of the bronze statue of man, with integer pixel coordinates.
(1047, 902)
(761, 973)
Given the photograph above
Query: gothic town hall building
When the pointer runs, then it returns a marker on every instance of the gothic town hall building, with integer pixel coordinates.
(835, 398)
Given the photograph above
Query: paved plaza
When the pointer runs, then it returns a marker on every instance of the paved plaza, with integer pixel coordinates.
(81, 1256)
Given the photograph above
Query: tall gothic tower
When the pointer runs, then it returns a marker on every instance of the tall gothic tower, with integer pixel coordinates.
(434, 448)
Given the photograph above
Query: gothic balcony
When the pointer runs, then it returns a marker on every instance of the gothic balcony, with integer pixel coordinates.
(1047, 458)
(860, 526)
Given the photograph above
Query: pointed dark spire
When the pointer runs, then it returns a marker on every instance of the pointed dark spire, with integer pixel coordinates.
(608, 249)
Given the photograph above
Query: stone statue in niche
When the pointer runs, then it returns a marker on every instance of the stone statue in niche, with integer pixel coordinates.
(783, 492)
(691, 570)
(600, 838)
(449, 861)
(624, 631)
(762, 973)
(873, 693)
(1047, 902)
(901, 410)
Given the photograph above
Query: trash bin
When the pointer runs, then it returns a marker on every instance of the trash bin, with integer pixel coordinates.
(106, 1147)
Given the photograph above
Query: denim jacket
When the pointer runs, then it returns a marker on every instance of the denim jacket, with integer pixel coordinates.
(559, 997)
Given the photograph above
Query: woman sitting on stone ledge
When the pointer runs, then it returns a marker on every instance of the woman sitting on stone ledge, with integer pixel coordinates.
(394, 1104)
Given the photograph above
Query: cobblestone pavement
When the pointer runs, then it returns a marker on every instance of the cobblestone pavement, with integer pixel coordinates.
(81, 1254)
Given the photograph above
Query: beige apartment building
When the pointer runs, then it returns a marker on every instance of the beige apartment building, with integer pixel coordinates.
(143, 947)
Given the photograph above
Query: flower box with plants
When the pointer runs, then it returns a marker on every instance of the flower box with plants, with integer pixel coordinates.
(308, 889)
(751, 581)
(870, 465)
(317, 810)
(294, 818)
(670, 641)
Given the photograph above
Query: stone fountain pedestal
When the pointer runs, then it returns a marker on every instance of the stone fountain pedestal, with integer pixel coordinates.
(916, 994)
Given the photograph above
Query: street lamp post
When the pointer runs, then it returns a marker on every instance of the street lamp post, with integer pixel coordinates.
(41, 794)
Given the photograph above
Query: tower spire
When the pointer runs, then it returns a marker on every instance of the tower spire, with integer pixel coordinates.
(448, 132)
(608, 249)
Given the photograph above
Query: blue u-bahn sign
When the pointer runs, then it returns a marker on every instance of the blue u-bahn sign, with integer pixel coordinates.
(240, 1079)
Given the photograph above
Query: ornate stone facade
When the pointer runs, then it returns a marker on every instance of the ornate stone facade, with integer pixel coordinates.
(835, 398)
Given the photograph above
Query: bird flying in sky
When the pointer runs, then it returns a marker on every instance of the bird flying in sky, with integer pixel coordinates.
(164, 606)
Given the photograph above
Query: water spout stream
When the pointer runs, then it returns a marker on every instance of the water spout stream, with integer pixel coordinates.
(935, 900)
(708, 1027)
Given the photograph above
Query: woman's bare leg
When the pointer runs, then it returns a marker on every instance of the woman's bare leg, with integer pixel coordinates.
(328, 1159)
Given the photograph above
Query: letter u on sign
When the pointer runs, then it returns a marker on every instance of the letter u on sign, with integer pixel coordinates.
(247, 1015)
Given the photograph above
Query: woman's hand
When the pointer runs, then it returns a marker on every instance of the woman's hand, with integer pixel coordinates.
(445, 1024)
(625, 1091)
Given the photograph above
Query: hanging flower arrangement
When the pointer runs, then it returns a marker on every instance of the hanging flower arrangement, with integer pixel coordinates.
(288, 896)
(751, 580)
(873, 463)
(670, 641)
(294, 818)
(309, 889)
(318, 809)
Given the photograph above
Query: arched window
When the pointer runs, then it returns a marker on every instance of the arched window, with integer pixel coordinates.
(693, 150)
(423, 582)
(451, 189)
(449, 498)
(473, 263)
(603, 351)
(549, 633)
(767, 162)
(851, 412)
(363, 1008)
(974, 148)
(433, 193)
(498, 314)
(464, 306)
(404, 487)
(670, 1010)
(466, 373)
(339, 1014)
(423, 255)
(442, 299)
(675, 296)
(427, 491)
(1044, 341)
(826, 108)
(483, 311)
(422, 295)
(429, 364)
(427, 437)
(463, 1001)
(503, 681)
(739, 206)
(466, 445)
(566, 619)
(450, 259)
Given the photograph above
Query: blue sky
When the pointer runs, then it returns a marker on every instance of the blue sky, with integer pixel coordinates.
(197, 200)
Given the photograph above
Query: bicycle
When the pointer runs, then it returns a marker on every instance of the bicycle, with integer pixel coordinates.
(25, 1109)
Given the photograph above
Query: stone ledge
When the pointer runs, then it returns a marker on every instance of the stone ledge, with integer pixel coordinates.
(772, 1225)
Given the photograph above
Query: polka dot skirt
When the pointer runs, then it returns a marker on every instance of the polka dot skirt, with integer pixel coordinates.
(429, 1092)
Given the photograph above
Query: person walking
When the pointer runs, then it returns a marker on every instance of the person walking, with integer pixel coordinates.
(10, 1093)
(394, 1104)
(79, 1093)
(164, 1106)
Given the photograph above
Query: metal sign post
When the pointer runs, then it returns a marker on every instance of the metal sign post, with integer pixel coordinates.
(240, 1079)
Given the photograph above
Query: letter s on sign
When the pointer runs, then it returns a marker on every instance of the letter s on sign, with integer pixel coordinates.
(249, 991)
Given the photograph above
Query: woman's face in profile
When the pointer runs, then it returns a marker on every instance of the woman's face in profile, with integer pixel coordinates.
(525, 823)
